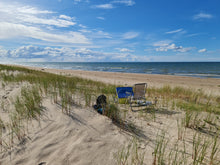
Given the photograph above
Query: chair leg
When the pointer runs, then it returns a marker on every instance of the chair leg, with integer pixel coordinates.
(131, 107)
(155, 101)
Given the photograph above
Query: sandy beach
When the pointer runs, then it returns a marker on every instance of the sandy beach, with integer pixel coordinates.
(86, 137)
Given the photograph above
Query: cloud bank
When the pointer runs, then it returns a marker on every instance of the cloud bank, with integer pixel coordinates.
(35, 53)
(19, 21)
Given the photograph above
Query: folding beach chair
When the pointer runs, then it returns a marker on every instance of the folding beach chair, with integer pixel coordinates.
(135, 96)
(124, 93)
(139, 99)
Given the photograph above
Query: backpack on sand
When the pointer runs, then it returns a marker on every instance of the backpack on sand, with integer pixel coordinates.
(100, 104)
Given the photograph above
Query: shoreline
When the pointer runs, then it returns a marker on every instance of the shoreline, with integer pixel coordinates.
(207, 85)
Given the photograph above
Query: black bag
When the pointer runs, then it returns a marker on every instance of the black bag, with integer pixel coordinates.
(101, 100)
(100, 103)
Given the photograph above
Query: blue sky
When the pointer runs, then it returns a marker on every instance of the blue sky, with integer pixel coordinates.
(109, 30)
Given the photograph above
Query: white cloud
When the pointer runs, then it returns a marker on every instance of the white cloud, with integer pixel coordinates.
(9, 30)
(202, 50)
(126, 2)
(124, 50)
(164, 47)
(85, 31)
(66, 17)
(110, 4)
(174, 31)
(101, 18)
(130, 35)
(161, 49)
(202, 15)
(3, 53)
(94, 33)
(52, 22)
(104, 6)
(183, 50)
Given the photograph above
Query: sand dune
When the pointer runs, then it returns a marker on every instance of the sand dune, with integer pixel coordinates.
(84, 137)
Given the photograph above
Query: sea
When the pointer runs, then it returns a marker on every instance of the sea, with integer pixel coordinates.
(191, 69)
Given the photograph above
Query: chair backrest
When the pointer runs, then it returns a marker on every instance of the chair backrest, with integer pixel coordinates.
(140, 90)
(124, 92)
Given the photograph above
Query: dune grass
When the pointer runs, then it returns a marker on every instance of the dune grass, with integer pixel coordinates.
(187, 99)
(130, 155)
(2, 127)
(28, 105)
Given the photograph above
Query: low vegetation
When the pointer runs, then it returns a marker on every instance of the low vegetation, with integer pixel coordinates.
(130, 155)
(186, 99)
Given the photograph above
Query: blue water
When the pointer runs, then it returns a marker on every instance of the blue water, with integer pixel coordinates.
(192, 69)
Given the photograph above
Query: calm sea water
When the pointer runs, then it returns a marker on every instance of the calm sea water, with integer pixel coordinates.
(192, 69)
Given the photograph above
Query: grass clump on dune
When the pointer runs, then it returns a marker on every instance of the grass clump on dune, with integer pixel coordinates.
(113, 113)
(28, 105)
(130, 155)
(186, 99)
(2, 127)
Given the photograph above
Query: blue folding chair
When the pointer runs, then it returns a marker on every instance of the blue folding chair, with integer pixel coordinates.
(124, 93)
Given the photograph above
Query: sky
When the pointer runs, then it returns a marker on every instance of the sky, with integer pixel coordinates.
(109, 30)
